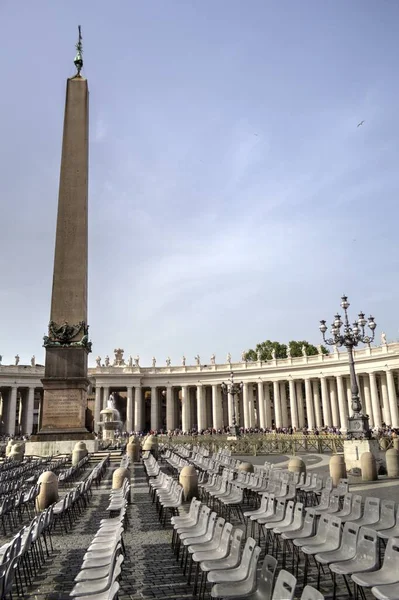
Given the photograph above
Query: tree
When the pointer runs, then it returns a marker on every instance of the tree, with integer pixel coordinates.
(296, 348)
(264, 350)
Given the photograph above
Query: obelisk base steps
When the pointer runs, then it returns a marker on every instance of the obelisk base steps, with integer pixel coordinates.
(60, 446)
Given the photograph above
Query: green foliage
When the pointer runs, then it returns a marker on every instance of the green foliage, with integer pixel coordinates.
(264, 350)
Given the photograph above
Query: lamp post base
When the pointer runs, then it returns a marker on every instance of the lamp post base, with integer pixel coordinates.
(234, 431)
(358, 427)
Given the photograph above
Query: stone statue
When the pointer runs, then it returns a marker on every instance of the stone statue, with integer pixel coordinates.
(213, 359)
(304, 350)
(111, 402)
(319, 350)
(33, 361)
(119, 361)
(244, 356)
(274, 354)
(130, 362)
(154, 361)
(107, 361)
(259, 354)
(197, 360)
(336, 351)
(98, 361)
(168, 362)
(16, 360)
(183, 361)
(229, 357)
(137, 360)
(288, 351)
(383, 339)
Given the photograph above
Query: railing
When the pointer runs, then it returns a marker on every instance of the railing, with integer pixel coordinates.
(255, 444)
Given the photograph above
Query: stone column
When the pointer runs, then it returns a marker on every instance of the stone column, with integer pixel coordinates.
(261, 406)
(386, 411)
(325, 402)
(299, 403)
(294, 413)
(283, 401)
(230, 405)
(309, 404)
(268, 404)
(154, 409)
(334, 403)
(349, 394)
(393, 401)
(12, 409)
(342, 404)
(316, 399)
(105, 396)
(129, 409)
(277, 404)
(29, 411)
(367, 408)
(201, 413)
(375, 401)
(97, 407)
(185, 409)
(245, 396)
(251, 405)
(138, 409)
(217, 409)
(170, 409)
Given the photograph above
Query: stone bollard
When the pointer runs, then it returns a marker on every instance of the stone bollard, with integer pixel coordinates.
(392, 458)
(48, 490)
(246, 466)
(9, 446)
(189, 481)
(79, 452)
(337, 468)
(368, 467)
(119, 477)
(296, 465)
(17, 451)
(133, 451)
(151, 444)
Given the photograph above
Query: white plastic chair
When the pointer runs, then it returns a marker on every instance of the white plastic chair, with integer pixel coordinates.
(285, 586)
(389, 572)
(233, 587)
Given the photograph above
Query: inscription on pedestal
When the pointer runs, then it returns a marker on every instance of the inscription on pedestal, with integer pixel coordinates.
(63, 409)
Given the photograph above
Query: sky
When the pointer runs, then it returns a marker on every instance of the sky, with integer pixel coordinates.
(232, 196)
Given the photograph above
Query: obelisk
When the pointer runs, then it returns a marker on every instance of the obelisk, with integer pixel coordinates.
(67, 344)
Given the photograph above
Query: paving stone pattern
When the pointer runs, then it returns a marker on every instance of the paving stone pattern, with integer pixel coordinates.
(150, 569)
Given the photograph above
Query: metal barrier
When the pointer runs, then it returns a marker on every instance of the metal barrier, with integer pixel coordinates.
(269, 443)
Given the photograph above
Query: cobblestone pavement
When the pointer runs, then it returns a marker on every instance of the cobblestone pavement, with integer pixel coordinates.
(150, 569)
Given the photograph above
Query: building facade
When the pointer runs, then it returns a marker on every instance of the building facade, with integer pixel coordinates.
(312, 391)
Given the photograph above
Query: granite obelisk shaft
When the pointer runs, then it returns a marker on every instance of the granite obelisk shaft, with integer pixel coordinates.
(65, 380)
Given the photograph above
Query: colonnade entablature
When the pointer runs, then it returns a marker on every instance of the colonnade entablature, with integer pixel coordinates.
(309, 391)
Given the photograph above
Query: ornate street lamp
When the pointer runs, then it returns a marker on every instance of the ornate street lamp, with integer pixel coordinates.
(234, 389)
(358, 425)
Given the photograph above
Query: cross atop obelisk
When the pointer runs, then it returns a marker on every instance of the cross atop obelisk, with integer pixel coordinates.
(67, 343)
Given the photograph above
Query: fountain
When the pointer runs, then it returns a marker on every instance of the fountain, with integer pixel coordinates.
(110, 419)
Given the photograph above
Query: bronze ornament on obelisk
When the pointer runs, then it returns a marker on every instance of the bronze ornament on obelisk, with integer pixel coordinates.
(65, 382)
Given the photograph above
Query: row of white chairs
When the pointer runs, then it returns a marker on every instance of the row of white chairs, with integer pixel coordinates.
(98, 577)
(214, 546)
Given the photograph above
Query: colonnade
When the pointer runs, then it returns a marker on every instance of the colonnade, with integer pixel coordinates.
(17, 409)
(324, 401)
